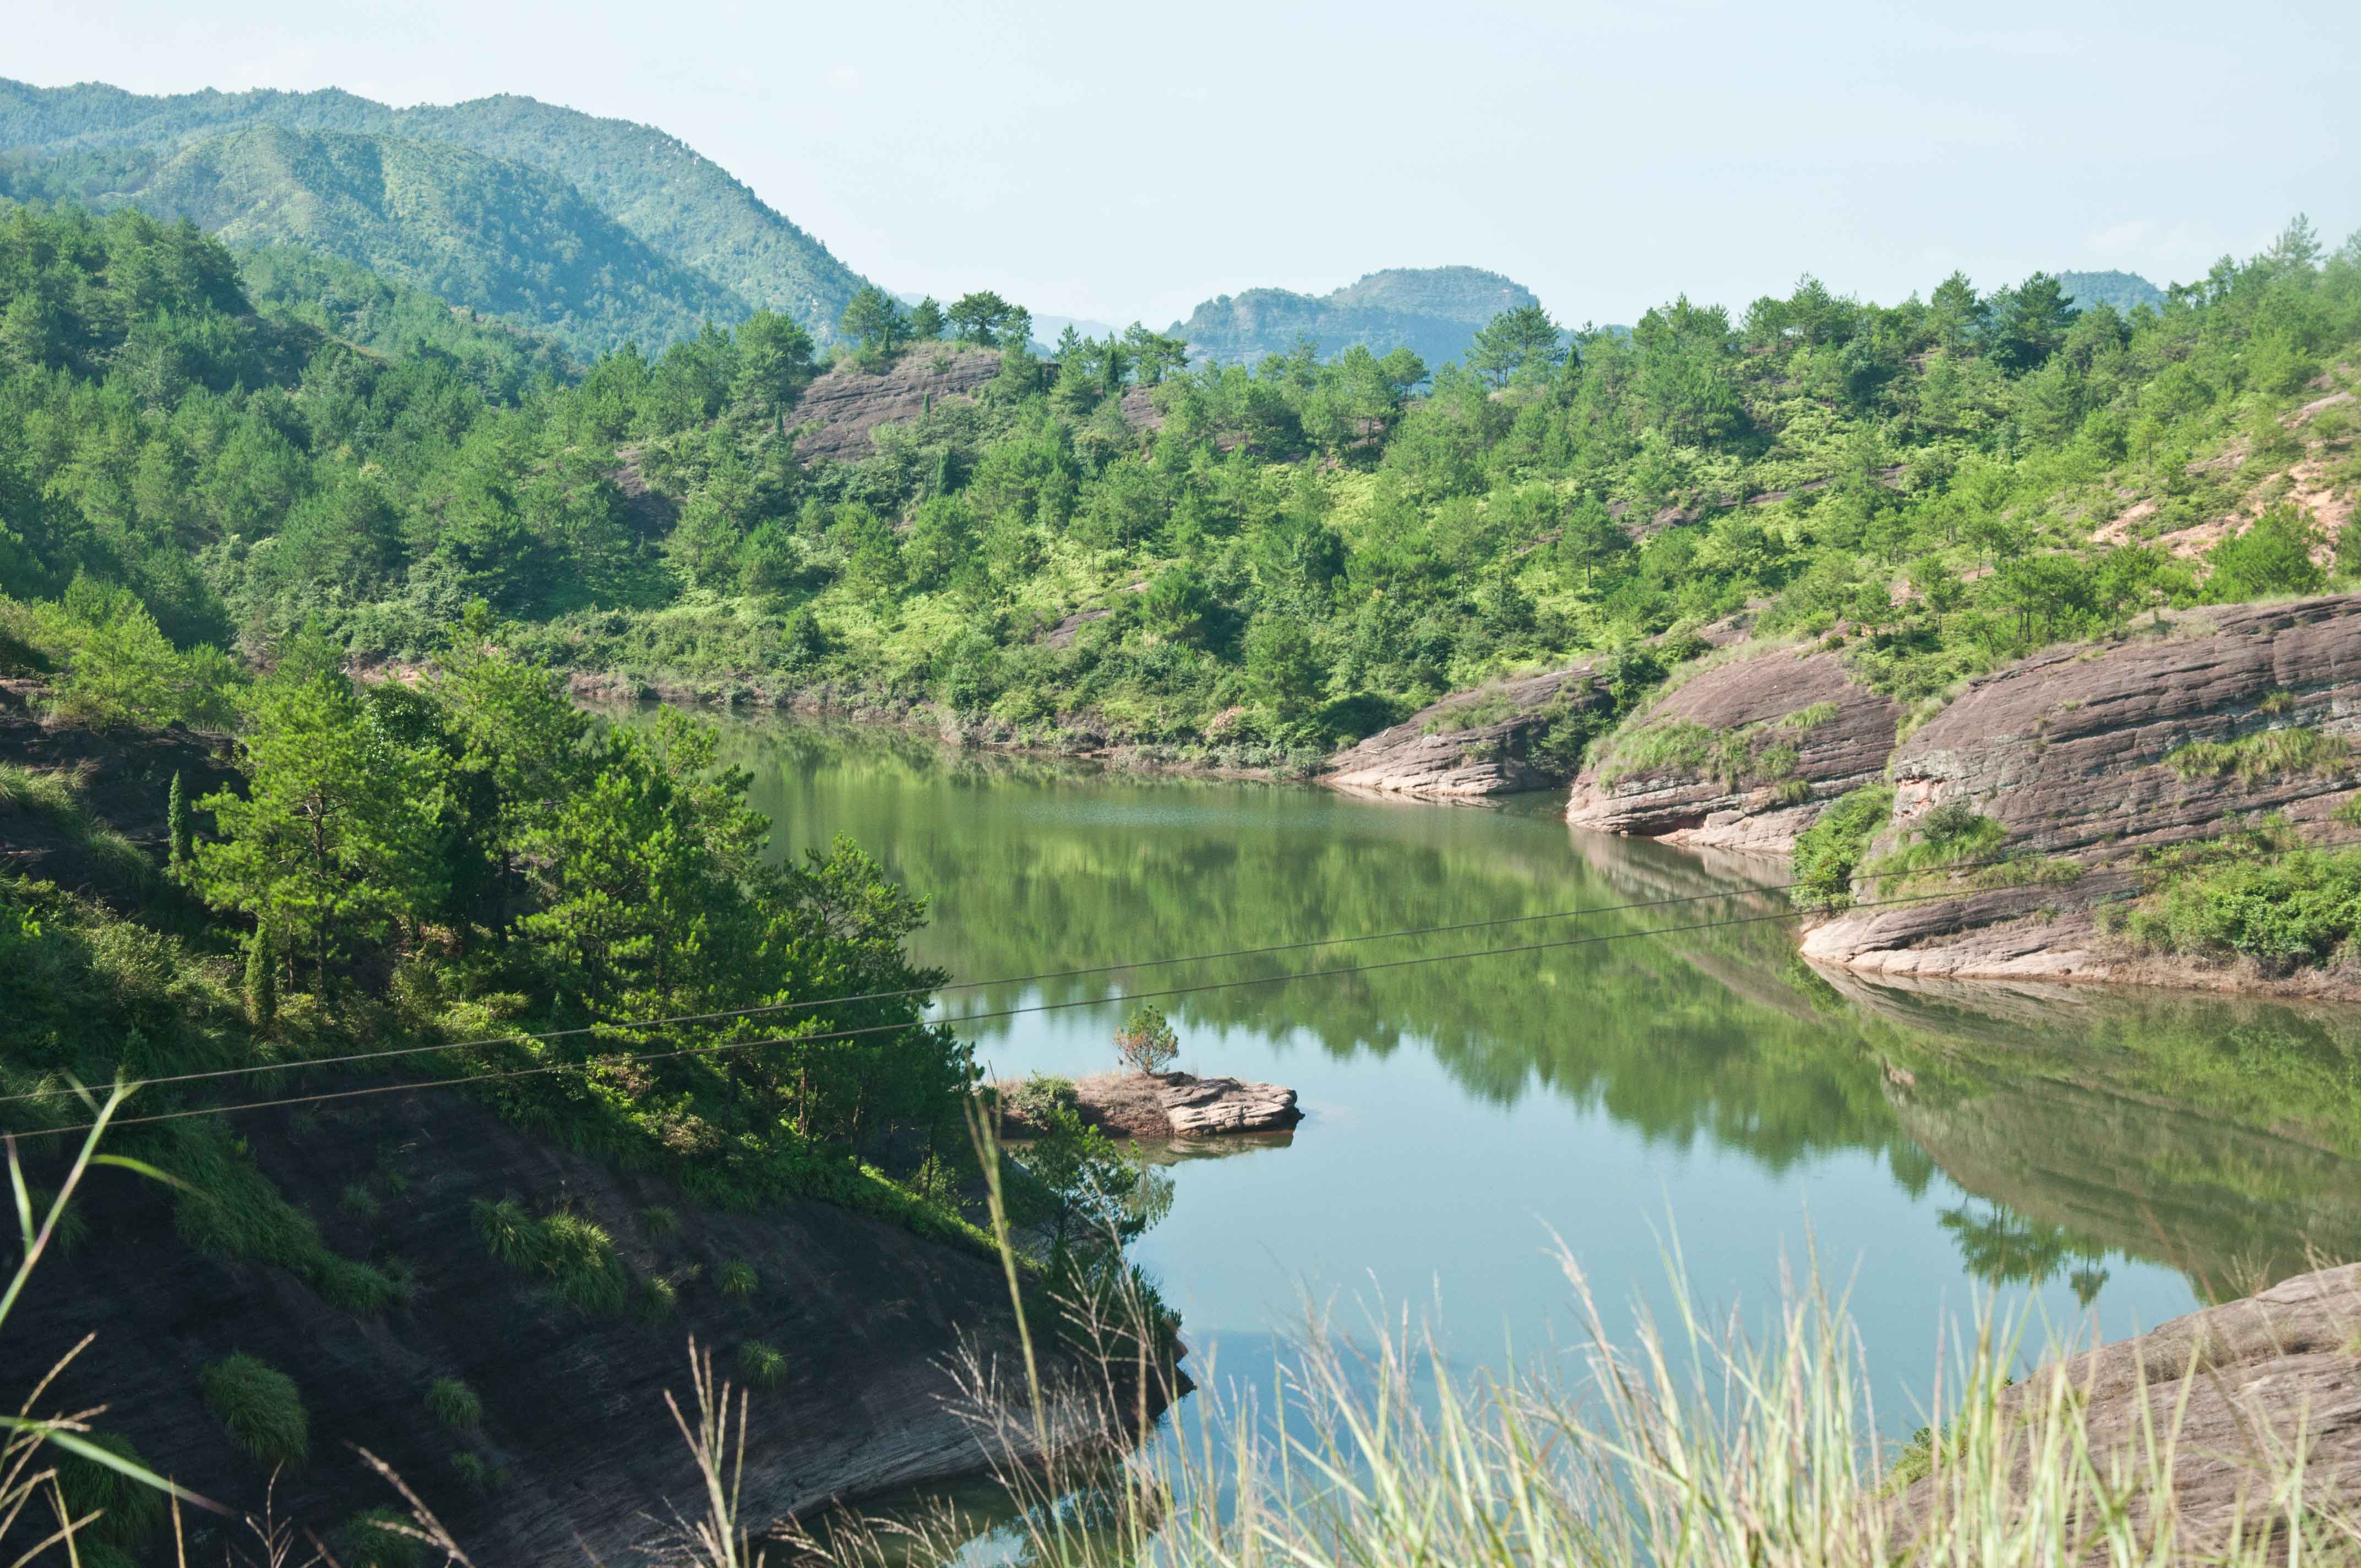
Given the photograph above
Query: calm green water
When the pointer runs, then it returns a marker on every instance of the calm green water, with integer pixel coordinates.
(2113, 1156)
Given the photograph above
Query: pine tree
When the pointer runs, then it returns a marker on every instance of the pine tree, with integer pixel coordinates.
(178, 829)
(261, 978)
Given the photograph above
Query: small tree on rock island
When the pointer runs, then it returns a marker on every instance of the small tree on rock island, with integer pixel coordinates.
(1145, 1042)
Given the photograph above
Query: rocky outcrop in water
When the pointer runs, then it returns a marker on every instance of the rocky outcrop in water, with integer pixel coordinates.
(1742, 756)
(2241, 1388)
(1161, 1106)
(1471, 744)
(1206, 1107)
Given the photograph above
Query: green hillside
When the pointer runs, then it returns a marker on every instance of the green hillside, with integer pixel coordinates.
(684, 206)
(504, 238)
(1433, 311)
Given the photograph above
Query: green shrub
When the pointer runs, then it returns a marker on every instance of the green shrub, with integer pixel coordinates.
(1809, 717)
(659, 1221)
(453, 1403)
(1951, 837)
(355, 1287)
(1828, 852)
(1147, 1042)
(1040, 1097)
(129, 1511)
(737, 1279)
(261, 1406)
(359, 1202)
(2286, 907)
(763, 1366)
(365, 1541)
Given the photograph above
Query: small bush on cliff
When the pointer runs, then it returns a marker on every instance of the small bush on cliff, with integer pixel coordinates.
(737, 1279)
(1828, 850)
(1950, 837)
(761, 1364)
(261, 1406)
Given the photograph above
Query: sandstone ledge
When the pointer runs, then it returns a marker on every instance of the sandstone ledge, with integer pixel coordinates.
(2261, 1376)
(1174, 1105)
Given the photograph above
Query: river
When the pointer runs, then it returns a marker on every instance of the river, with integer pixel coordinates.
(2103, 1160)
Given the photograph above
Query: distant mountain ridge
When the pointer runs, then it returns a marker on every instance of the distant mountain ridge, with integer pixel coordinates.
(677, 202)
(499, 237)
(1433, 311)
(2124, 291)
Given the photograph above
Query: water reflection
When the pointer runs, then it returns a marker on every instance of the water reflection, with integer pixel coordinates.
(2092, 1154)
(2069, 1126)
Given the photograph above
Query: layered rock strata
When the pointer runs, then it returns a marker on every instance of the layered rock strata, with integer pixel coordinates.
(2070, 749)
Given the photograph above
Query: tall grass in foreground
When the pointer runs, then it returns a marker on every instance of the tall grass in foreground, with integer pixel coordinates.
(1692, 1444)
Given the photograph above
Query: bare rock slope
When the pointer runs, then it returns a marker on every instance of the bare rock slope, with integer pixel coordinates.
(2082, 754)
(2069, 748)
(1743, 756)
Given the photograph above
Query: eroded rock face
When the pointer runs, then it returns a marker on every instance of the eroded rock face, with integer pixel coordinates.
(2067, 750)
(839, 411)
(1445, 753)
(2259, 1376)
(1746, 753)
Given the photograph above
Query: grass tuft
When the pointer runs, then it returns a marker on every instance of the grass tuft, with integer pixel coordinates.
(374, 1539)
(737, 1279)
(2267, 754)
(763, 1366)
(261, 1406)
(453, 1403)
(129, 1511)
(574, 1255)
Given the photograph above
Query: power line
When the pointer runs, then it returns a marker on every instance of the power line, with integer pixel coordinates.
(772, 1009)
(970, 1018)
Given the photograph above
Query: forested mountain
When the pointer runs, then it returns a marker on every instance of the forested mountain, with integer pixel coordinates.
(502, 238)
(1266, 560)
(1434, 311)
(2124, 291)
(682, 205)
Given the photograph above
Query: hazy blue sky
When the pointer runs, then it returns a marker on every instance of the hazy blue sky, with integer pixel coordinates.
(1123, 161)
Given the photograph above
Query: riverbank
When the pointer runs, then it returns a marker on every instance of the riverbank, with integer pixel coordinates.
(924, 716)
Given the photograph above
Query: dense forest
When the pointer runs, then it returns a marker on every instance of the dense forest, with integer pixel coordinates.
(1267, 561)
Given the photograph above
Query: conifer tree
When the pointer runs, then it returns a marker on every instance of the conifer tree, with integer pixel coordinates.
(261, 977)
(178, 830)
